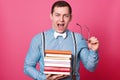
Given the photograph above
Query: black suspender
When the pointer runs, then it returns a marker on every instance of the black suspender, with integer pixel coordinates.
(43, 43)
(75, 57)
(75, 53)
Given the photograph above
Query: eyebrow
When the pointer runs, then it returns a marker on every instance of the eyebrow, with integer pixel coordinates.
(63, 14)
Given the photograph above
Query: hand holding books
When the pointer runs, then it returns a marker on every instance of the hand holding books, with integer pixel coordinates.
(55, 76)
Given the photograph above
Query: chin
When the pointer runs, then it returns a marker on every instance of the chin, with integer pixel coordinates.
(60, 31)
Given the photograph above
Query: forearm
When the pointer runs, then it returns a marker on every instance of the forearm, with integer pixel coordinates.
(30, 66)
(90, 59)
(33, 72)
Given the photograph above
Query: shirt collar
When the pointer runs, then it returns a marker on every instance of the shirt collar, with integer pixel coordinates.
(56, 35)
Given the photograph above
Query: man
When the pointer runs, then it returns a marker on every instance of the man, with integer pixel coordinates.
(61, 15)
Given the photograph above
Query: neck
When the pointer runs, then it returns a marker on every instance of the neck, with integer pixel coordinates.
(61, 32)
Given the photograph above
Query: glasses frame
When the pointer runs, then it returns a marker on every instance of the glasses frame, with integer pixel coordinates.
(88, 30)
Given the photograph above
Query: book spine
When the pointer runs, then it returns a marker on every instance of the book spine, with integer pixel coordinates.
(57, 51)
(51, 60)
(58, 69)
(57, 65)
(56, 62)
(50, 72)
(57, 58)
(58, 55)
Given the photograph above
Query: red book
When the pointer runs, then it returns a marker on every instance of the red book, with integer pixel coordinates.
(57, 69)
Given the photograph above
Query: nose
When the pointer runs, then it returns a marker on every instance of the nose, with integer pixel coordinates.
(62, 18)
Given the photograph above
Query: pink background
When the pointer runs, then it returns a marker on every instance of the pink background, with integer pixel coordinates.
(20, 20)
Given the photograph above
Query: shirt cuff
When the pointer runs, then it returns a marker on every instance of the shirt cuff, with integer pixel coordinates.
(93, 53)
(41, 76)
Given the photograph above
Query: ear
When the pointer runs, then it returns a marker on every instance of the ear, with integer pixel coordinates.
(70, 17)
(51, 16)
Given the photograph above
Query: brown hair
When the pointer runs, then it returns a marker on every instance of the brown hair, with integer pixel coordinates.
(61, 4)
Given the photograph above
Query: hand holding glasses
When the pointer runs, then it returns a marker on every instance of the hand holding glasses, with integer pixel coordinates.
(93, 42)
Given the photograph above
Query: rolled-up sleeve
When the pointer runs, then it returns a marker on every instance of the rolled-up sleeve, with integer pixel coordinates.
(32, 58)
(89, 59)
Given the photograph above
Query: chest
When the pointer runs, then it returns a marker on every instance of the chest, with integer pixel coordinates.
(59, 44)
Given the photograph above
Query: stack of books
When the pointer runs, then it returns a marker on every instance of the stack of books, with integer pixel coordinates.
(57, 62)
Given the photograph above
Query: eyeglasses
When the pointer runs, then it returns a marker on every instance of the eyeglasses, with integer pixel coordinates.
(86, 28)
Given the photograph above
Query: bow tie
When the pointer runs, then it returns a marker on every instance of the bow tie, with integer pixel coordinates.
(60, 34)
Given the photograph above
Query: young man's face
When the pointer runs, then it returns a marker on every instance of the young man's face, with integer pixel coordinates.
(60, 19)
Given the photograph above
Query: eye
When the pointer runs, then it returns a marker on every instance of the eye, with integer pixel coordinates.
(57, 15)
(67, 15)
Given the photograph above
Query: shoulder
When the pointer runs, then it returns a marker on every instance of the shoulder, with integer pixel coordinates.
(49, 32)
(38, 36)
(78, 36)
(36, 39)
(80, 39)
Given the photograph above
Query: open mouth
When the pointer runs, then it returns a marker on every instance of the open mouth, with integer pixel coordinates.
(60, 26)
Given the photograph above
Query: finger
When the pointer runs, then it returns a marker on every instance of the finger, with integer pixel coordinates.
(57, 76)
(94, 43)
(48, 76)
(61, 77)
(53, 77)
(93, 40)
